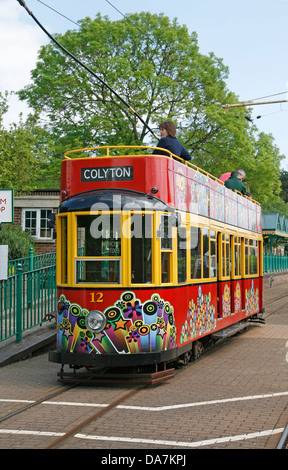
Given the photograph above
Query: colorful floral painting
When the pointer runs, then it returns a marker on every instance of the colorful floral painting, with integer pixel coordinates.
(131, 327)
(251, 300)
(226, 301)
(237, 298)
(201, 317)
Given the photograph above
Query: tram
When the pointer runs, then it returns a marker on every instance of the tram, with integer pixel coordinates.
(154, 256)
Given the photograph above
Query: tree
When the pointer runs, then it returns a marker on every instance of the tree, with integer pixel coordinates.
(160, 73)
(22, 157)
(18, 242)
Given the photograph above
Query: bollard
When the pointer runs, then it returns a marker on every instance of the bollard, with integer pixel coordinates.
(19, 303)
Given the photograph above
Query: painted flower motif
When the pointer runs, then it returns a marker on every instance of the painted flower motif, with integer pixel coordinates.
(133, 310)
(132, 336)
(85, 342)
(120, 304)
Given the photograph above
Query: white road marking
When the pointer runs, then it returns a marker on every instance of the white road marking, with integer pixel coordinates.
(207, 442)
(157, 408)
(71, 403)
(11, 400)
(201, 403)
(31, 433)
(134, 440)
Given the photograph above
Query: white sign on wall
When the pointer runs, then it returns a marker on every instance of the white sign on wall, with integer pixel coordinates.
(3, 262)
(6, 205)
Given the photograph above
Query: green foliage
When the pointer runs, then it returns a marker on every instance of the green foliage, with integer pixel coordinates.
(24, 150)
(18, 242)
(162, 75)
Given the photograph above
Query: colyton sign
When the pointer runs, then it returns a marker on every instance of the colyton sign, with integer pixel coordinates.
(116, 173)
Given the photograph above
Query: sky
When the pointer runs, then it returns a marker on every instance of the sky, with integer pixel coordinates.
(250, 36)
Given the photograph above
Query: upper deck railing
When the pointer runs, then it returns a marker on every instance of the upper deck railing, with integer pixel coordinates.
(208, 195)
(107, 148)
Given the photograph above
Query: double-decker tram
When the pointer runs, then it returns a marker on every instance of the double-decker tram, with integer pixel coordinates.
(154, 256)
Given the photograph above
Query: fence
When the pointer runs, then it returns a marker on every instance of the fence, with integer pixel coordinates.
(28, 295)
(275, 263)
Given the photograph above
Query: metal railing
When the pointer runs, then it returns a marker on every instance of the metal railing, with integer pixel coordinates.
(27, 295)
(275, 263)
(31, 262)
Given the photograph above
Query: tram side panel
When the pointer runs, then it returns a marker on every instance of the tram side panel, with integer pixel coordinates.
(161, 321)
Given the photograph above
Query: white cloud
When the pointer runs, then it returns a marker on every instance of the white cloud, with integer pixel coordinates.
(20, 40)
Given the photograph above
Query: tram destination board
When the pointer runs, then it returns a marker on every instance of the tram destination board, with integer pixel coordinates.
(117, 173)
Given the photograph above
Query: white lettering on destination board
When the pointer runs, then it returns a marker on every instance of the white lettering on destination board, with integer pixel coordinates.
(118, 173)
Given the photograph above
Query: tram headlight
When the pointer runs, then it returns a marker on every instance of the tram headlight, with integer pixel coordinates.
(95, 321)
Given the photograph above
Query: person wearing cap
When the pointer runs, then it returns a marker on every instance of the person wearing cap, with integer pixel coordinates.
(235, 182)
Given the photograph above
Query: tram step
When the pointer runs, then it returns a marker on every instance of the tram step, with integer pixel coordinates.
(230, 330)
(96, 378)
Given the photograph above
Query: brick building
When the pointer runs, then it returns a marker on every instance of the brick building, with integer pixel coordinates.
(31, 213)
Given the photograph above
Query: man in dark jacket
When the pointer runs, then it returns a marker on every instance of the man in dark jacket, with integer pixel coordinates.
(170, 142)
(235, 181)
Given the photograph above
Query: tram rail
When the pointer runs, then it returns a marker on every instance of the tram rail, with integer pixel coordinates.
(82, 424)
(283, 443)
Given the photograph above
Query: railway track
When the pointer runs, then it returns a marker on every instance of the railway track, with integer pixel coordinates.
(83, 423)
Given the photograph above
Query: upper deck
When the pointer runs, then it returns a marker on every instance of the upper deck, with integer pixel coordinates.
(177, 183)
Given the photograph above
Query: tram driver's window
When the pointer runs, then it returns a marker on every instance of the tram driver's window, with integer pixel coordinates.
(195, 241)
(166, 232)
(98, 237)
(141, 248)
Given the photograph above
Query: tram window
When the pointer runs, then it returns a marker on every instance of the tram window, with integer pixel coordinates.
(165, 265)
(141, 249)
(213, 265)
(206, 252)
(99, 235)
(251, 256)
(237, 256)
(209, 253)
(63, 231)
(225, 255)
(246, 256)
(98, 271)
(195, 241)
(181, 254)
(166, 232)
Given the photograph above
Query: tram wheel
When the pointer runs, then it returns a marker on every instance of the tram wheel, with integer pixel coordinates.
(197, 349)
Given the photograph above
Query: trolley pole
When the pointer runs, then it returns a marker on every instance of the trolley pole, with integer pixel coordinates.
(249, 103)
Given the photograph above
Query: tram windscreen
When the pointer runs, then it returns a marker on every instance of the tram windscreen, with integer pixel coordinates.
(98, 236)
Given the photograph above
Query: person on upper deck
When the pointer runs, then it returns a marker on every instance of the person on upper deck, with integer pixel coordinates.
(235, 182)
(170, 142)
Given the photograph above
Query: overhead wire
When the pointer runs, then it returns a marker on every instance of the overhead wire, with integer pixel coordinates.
(268, 96)
(23, 4)
(58, 12)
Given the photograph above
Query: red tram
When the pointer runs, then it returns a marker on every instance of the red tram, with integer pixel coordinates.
(153, 256)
